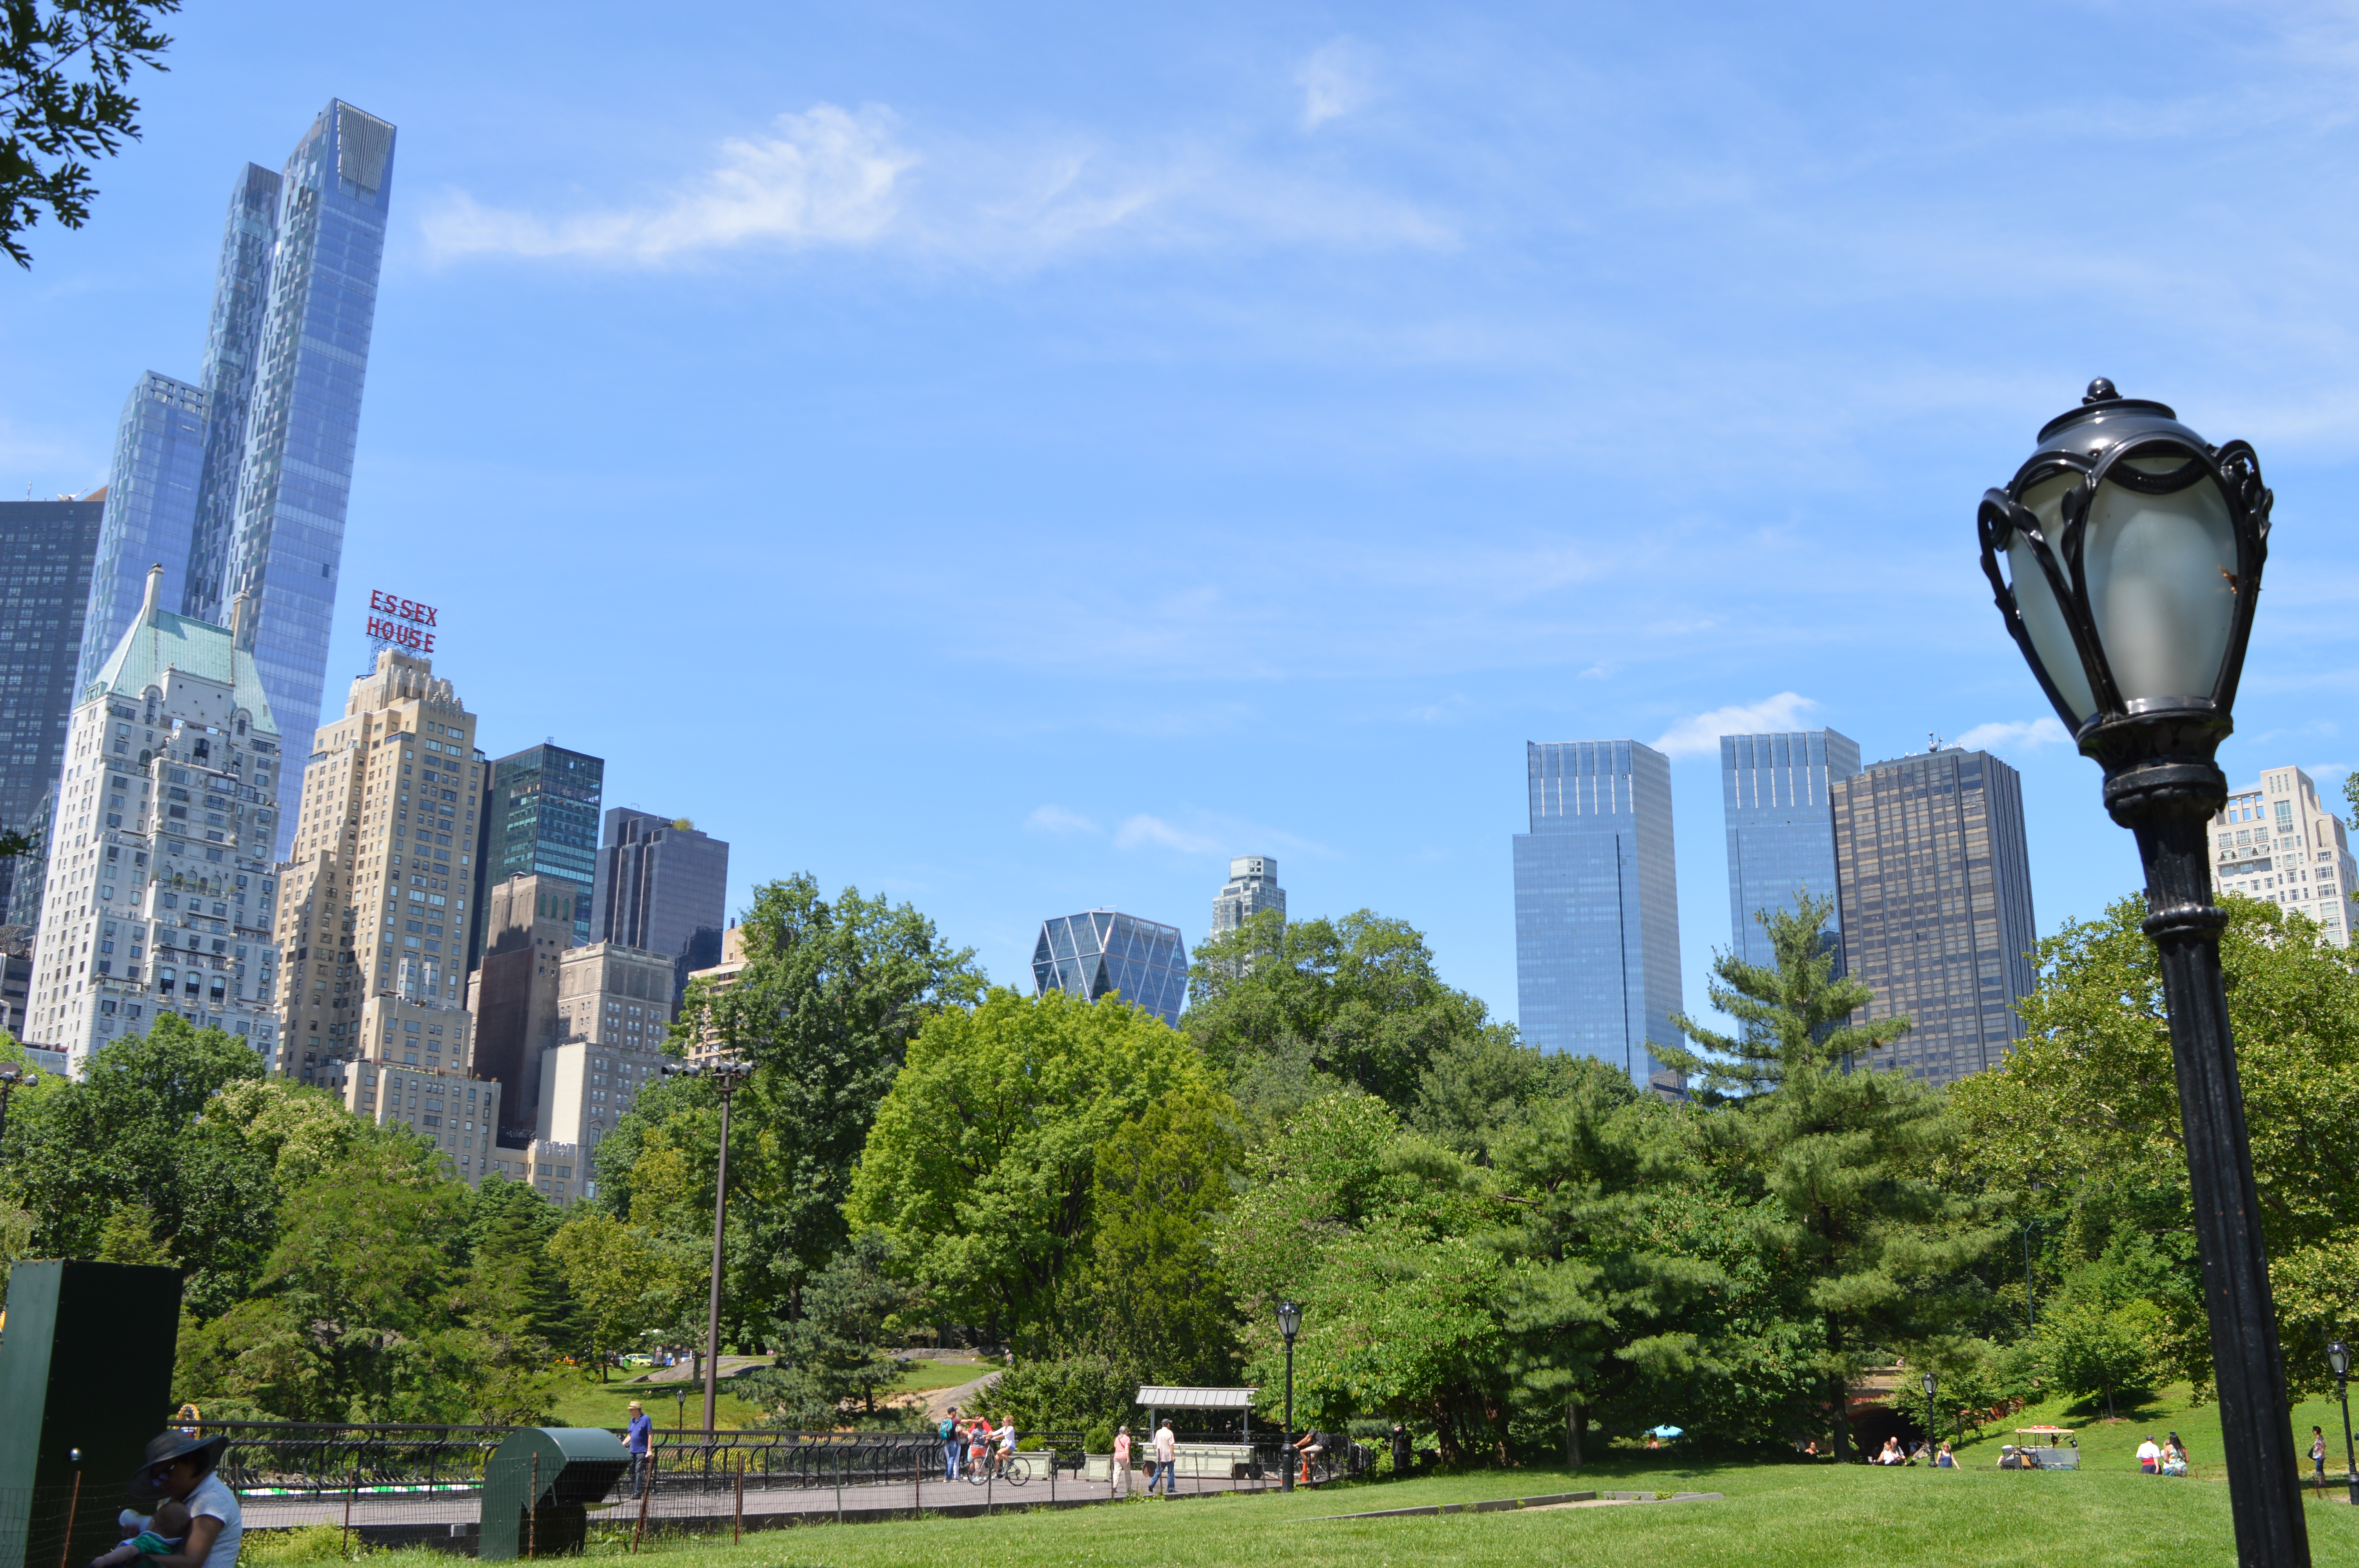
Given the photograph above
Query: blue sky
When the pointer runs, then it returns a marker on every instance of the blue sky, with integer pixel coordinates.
(1015, 456)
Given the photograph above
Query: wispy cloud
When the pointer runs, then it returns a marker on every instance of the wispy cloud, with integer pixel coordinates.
(830, 177)
(1143, 830)
(2025, 735)
(1057, 819)
(1701, 736)
(1334, 81)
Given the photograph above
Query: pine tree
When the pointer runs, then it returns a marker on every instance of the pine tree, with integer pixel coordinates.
(1848, 1153)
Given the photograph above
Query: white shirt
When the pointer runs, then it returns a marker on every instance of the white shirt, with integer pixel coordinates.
(1164, 1443)
(213, 1499)
(2148, 1450)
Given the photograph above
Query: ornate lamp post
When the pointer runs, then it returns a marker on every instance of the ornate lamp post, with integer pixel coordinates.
(727, 1075)
(1932, 1435)
(1290, 1323)
(2125, 555)
(2338, 1356)
(11, 1080)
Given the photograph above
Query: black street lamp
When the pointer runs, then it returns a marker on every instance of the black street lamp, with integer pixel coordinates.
(726, 1075)
(2125, 555)
(1932, 1435)
(2338, 1356)
(11, 1080)
(1290, 1323)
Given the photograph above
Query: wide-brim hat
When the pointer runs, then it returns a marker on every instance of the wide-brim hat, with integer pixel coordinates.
(163, 1449)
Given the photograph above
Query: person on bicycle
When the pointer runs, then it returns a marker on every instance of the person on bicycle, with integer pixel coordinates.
(1313, 1448)
(1007, 1436)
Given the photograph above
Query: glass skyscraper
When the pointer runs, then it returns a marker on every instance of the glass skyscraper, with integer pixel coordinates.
(662, 887)
(151, 507)
(1781, 828)
(1099, 951)
(233, 336)
(302, 419)
(542, 820)
(1597, 906)
(1936, 885)
(46, 548)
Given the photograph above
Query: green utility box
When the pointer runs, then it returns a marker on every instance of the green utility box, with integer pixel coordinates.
(85, 1380)
(539, 1488)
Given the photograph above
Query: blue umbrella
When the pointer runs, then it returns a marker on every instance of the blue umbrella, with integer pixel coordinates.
(1668, 1432)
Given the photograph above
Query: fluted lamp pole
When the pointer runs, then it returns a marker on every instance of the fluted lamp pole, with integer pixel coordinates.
(1290, 1323)
(726, 1075)
(2125, 555)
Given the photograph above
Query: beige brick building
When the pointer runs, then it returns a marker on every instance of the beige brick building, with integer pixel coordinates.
(2275, 843)
(721, 977)
(373, 911)
(613, 1008)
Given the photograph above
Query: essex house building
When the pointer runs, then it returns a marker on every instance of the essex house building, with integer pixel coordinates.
(156, 893)
(374, 912)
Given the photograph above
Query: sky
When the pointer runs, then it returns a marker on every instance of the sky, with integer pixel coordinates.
(1012, 458)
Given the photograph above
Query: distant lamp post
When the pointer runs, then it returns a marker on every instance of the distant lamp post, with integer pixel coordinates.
(11, 1080)
(2126, 557)
(2338, 1356)
(726, 1075)
(1290, 1323)
(1932, 1435)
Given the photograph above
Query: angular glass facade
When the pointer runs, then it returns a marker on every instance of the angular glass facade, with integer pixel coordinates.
(1597, 906)
(662, 887)
(46, 548)
(232, 338)
(151, 507)
(541, 819)
(1935, 879)
(286, 537)
(1781, 828)
(1100, 952)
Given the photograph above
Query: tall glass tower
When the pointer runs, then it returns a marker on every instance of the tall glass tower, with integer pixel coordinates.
(541, 820)
(151, 505)
(233, 336)
(302, 416)
(1935, 882)
(1098, 951)
(662, 887)
(1597, 906)
(1781, 829)
(45, 558)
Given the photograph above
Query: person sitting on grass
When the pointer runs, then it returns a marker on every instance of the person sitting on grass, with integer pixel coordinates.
(1891, 1453)
(2149, 1457)
(2174, 1455)
(1945, 1460)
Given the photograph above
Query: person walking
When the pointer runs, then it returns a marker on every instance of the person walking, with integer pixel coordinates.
(1404, 1456)
(1167, 1459)
(1120, 1480)
(2318, 1458)
(639, 1438)
(180, 1466)
(949, 1433)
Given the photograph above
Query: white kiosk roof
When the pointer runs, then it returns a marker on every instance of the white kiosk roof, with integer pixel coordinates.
(1158, 1398)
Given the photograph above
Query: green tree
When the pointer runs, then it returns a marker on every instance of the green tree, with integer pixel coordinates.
(624, 1284)
(830, 997)
(2089, 1347)
(65, 71)
(836, 1352)
(1847, 1155)
(2089, 1099)
(983, 1165)
(1355, 999)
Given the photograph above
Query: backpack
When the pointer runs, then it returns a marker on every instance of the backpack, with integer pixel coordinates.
(948, 1429)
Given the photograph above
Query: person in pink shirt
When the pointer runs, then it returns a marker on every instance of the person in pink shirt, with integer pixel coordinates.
(1121, 1477)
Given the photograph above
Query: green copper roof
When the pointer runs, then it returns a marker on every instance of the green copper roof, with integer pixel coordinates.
(164, 640)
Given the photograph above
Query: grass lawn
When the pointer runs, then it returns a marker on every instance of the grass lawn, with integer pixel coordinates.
(590, 1403)
(927, 1374)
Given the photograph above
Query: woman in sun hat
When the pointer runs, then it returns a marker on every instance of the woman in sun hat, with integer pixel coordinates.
(180, 1466)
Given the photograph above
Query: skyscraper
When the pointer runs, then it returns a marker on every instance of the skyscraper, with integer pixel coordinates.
(2276, 843)
(1099, 951)
(45, 555)
(1597, 906)
(233, 334)
(527, 928)
(1781, 829)
(662, 887)
(1252, 887)
(544, 823)
(303, 390)
(158, 894)
(1935, 879)
(151, 505)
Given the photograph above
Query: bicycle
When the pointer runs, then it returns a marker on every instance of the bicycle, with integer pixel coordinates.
(1015, 1469)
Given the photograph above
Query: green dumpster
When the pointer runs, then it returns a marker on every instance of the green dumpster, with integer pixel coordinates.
(539, 1486)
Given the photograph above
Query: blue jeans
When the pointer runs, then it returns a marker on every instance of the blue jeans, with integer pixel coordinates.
(950, 1460)
(1163, 1474)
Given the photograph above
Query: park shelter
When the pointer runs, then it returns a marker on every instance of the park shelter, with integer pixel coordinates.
(1158, 1398)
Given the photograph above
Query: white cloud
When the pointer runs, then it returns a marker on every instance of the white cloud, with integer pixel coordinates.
(1334, 81)
(1145, 829)
(1701, 736)
(1057, 819)
(2027, 735)
(828, 178)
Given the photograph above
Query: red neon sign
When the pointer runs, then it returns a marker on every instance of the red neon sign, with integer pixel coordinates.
(401, 622)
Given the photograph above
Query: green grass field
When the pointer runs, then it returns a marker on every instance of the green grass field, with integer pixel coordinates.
(591, 1403)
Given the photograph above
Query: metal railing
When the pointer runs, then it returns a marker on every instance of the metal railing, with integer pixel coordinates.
(287, 1458)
